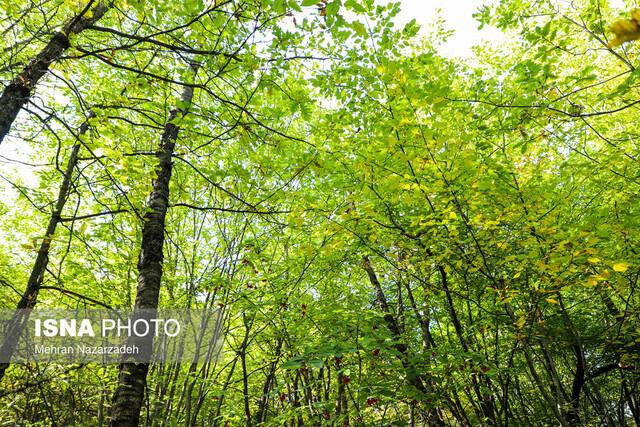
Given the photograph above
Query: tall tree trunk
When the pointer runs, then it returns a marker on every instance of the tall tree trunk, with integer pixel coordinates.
(30, 294)
(129, 395)
(17, 93)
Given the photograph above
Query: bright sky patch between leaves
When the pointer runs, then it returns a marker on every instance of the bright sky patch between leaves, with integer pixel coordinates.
(458, 16)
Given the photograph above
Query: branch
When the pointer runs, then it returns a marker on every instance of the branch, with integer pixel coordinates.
(547, 107)
(77, 295)
(149, 39)
(94, 215)
(218, 209)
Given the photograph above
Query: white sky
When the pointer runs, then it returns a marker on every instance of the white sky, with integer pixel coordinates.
(457, 15)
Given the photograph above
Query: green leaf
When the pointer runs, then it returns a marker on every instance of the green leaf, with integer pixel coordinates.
(293, 363)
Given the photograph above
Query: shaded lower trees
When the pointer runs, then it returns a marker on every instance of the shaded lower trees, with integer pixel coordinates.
(424, 386)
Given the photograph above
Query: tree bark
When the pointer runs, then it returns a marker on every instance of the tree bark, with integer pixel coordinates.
(18, 92)
(129, 395)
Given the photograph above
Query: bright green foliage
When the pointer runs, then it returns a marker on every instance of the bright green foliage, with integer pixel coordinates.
(497, 199)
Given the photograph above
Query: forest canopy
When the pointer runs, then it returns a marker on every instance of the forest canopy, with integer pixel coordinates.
(392, 236)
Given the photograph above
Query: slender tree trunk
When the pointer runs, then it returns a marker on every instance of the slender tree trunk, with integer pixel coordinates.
(263, 403)
(551, 403)
(245, 373)
(342, 404)
(225, 387)
(487, 406)
(415, 380)
(573, 411)
(631, 397)
(30, 294)
(18, 92)
(129, 395)
(428, 343)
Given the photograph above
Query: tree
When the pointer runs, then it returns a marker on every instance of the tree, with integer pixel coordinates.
(392, 236)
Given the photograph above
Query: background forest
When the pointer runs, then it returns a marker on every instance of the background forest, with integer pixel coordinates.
(394, 237)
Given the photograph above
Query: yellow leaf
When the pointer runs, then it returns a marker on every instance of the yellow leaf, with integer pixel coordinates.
(593, 260)
(592, 281)
(452, 215)
(551, 301)
(626, 29)
(621, 267)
